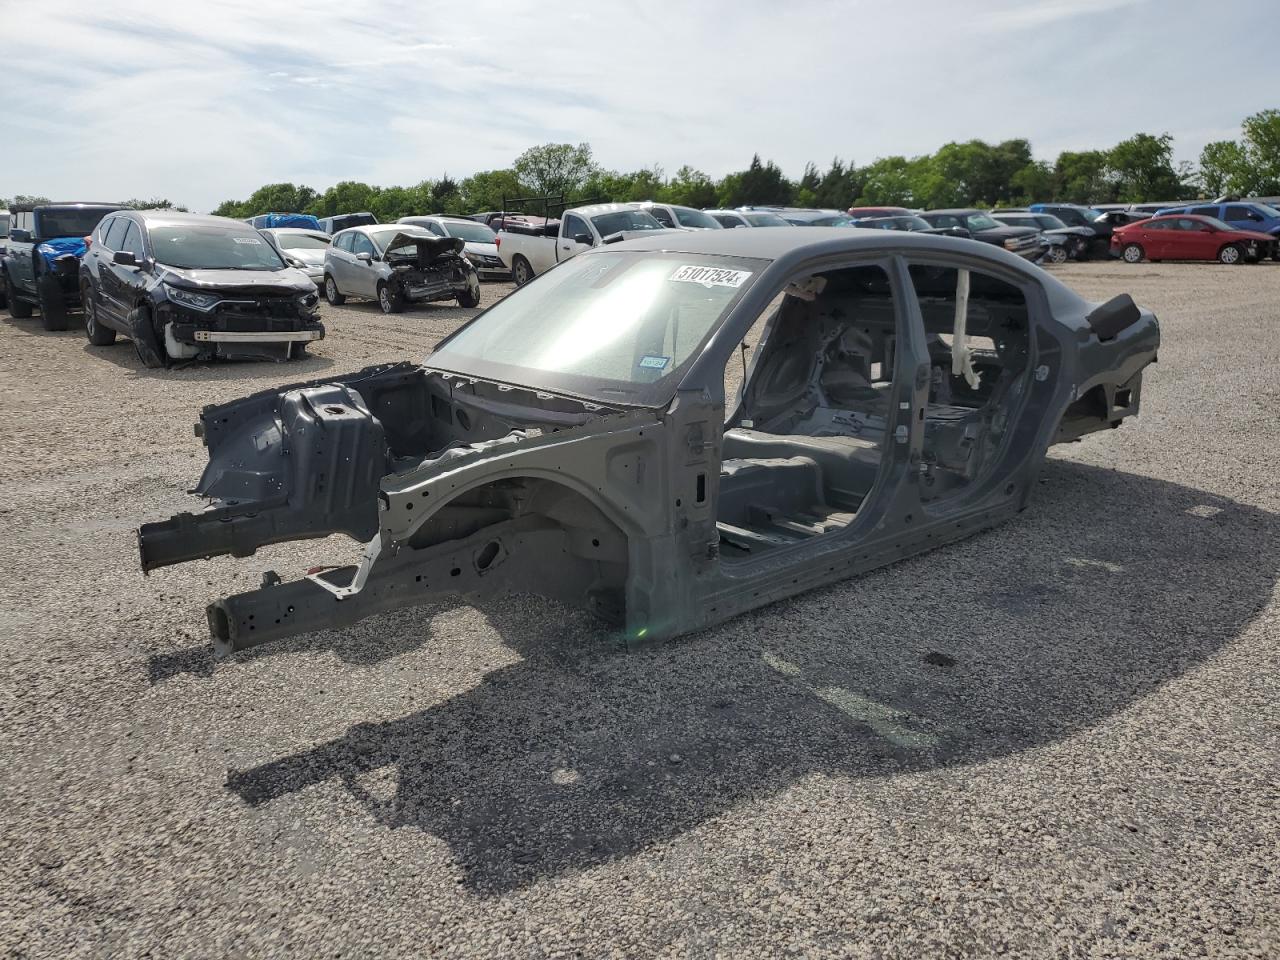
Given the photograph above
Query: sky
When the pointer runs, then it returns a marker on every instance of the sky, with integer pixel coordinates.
(200, 101)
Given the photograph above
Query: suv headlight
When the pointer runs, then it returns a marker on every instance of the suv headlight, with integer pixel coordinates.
(191, 298)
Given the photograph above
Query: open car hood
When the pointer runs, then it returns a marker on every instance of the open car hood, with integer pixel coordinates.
(429, 248)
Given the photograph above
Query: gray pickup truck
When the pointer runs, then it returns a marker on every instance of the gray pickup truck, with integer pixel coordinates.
(40, 265)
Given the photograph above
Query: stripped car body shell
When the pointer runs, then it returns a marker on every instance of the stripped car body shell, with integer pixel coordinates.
(459, 484)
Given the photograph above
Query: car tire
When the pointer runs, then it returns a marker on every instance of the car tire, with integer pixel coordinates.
(1132, 253)
(1056, 255)
(98, 335)
(391, 301)
(150, 349)
(53, 305)
(4, 291)
(19, 309)
(470, 298)
(331, 292)
(521, 272)
(1231, 254)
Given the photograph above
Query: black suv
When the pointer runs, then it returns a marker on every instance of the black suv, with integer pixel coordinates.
(40, 265)
(184, 286)
(1023, 241)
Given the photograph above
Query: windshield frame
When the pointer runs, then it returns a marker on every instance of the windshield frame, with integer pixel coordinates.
(318, 240)
(602, 390)
(596, 217)
(449, 226)
(57, 212)
(694, 214)
(992, 222)
(753, 218)
(154, 231)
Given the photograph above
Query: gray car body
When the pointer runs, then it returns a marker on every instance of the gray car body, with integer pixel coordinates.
(357, 277)
(463, 486)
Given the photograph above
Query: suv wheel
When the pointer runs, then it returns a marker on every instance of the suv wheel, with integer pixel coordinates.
(521, 272)
(1056, 254)
(53, 305)
(331, 292)
(98, 335)
(471, 296)
(150, 348)
(4, 290)
(391, 301)
(19, 309)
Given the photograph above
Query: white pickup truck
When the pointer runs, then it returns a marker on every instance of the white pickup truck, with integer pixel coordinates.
(528, 253)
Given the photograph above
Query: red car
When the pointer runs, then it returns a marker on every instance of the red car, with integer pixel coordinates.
(1190, 237)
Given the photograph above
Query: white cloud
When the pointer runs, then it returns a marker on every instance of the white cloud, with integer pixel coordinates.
(200, 102)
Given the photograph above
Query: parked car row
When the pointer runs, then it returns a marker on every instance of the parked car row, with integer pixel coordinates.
(185, 286)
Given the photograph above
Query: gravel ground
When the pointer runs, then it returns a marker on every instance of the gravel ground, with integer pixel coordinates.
(1058, 739)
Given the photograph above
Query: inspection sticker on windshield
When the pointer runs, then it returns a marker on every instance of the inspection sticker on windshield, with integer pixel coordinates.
(253, 240)
(654, 363)
(710, 276)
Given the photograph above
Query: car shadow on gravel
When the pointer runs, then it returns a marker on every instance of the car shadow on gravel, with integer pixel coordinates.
(122, 354)
(1108, 587)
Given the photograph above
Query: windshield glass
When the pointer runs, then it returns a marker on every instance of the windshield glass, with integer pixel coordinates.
(1266, 210)
(1215, 222)
(610, 223)
(979, 221)
(695, 218)
(1049, 222)
(68, 223)
(301, 241)
(616, 327)
(213, 248)
(471, 232)
(765, 220)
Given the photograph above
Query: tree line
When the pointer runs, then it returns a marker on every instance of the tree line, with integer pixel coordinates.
(975, 173)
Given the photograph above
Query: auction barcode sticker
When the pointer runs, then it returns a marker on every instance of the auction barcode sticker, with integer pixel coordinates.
(710, 276)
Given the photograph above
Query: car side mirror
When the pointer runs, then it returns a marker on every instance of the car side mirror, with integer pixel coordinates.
(960, 232)
(124, 258)
(1117, 314)
(364, 257)
(295, 262)
(20, 236)
(583, 238)
(1206, 230)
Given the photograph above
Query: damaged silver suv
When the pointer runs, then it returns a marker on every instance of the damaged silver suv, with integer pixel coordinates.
(575, 440)
(397, 264)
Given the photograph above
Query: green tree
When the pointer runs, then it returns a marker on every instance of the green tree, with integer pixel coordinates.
(1141, 168)
(347, 196)
(1083, 177)
(760, 183)
(1262, 152)
(690, 187)
(887, 181)
(555, 168)
(485, 190)
(446, 195)
(1224, 168)
(1033, 183)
